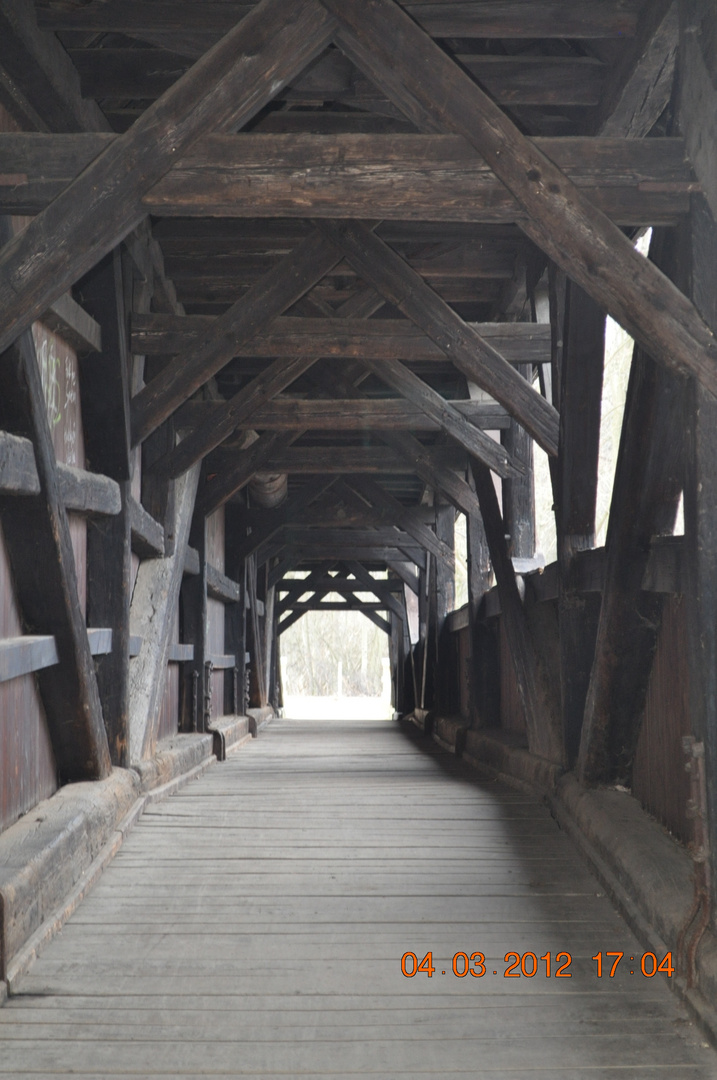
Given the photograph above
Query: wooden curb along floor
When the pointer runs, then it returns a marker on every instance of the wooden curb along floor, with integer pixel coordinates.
(121, 803)
(646, 873)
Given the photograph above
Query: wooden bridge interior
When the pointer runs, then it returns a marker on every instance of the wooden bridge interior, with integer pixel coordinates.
(285, 288)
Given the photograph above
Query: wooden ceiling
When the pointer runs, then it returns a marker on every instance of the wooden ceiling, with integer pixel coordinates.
(342, 262)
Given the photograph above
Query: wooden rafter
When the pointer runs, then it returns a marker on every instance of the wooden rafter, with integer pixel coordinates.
(227, 86)
(389, 47)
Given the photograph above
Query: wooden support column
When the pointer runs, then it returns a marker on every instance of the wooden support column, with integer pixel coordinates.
(534, 689)
(483, 659)
(154, 600)
(235, 614)
(193, 614)
(104, 385)
(519, 491)
(701, 526)
(646, 492)
(442, 603)
(582, 332)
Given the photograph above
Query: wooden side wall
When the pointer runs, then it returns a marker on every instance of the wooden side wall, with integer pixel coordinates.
(660, 781)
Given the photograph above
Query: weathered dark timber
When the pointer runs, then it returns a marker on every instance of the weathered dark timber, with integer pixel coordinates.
(26, 654)
(302, 536)
(404, 517)
(640, 87)
(37, 539)
(646, 492)
(18, 475)
(292, 511)
(108, 73)
(443, 601)
(318, 552)
(402, 571)
(418, 458)
(193, 605)
(341, 459)
(519, 490)
(582, 362)
(376, 262)
(536, 695)
(74, 325)
(105, 372)
(220, 587)
(416, 177)
(88, 493)
(277, 290)
(390, 414)
(470, 18)
(147, 533)
(109, 568)
(226, 87)
(337, 605)
(419, 393)
(384, 42)
(351, 339)
(378, 588)
(38, 81)
(228, 478)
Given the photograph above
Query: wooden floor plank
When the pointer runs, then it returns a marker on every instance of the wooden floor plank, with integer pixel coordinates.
(253, 924)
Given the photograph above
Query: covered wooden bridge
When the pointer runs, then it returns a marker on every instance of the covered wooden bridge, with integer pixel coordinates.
(290, 293)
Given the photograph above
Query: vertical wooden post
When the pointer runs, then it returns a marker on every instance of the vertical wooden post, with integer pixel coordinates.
(582, 349)
(532, 680)
(194, 622)
(519, 493)
(443, 593)
(701, 524)
(235, 614)
(104, 384)
(482, 659)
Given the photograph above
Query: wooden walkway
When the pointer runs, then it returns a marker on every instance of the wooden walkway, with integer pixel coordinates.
(253, 926)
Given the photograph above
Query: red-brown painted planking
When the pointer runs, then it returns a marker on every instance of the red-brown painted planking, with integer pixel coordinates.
(659, 779)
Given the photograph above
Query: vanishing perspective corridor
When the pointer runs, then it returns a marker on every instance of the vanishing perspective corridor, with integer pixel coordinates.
(253, 925)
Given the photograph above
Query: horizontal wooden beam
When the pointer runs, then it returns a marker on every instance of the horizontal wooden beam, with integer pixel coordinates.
(348, 339)
(432, 177)
(80, 491)
(358, 459)
(147, 533)
(323, 584)
(120, 73)
(180, 654)
(220, 587)
(334, 605)
(467, 18)
(73, 324)
(406, 517)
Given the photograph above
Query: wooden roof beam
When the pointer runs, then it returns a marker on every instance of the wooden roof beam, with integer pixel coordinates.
(227, 86)
(388, 46)
(376, 262)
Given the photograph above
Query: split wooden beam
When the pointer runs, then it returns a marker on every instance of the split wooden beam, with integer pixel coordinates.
(377, 263)
(345, 339)
(436, 177)
(391, 49)
(226, 87)
(281, 287)
(544, 737)
(37, 538)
